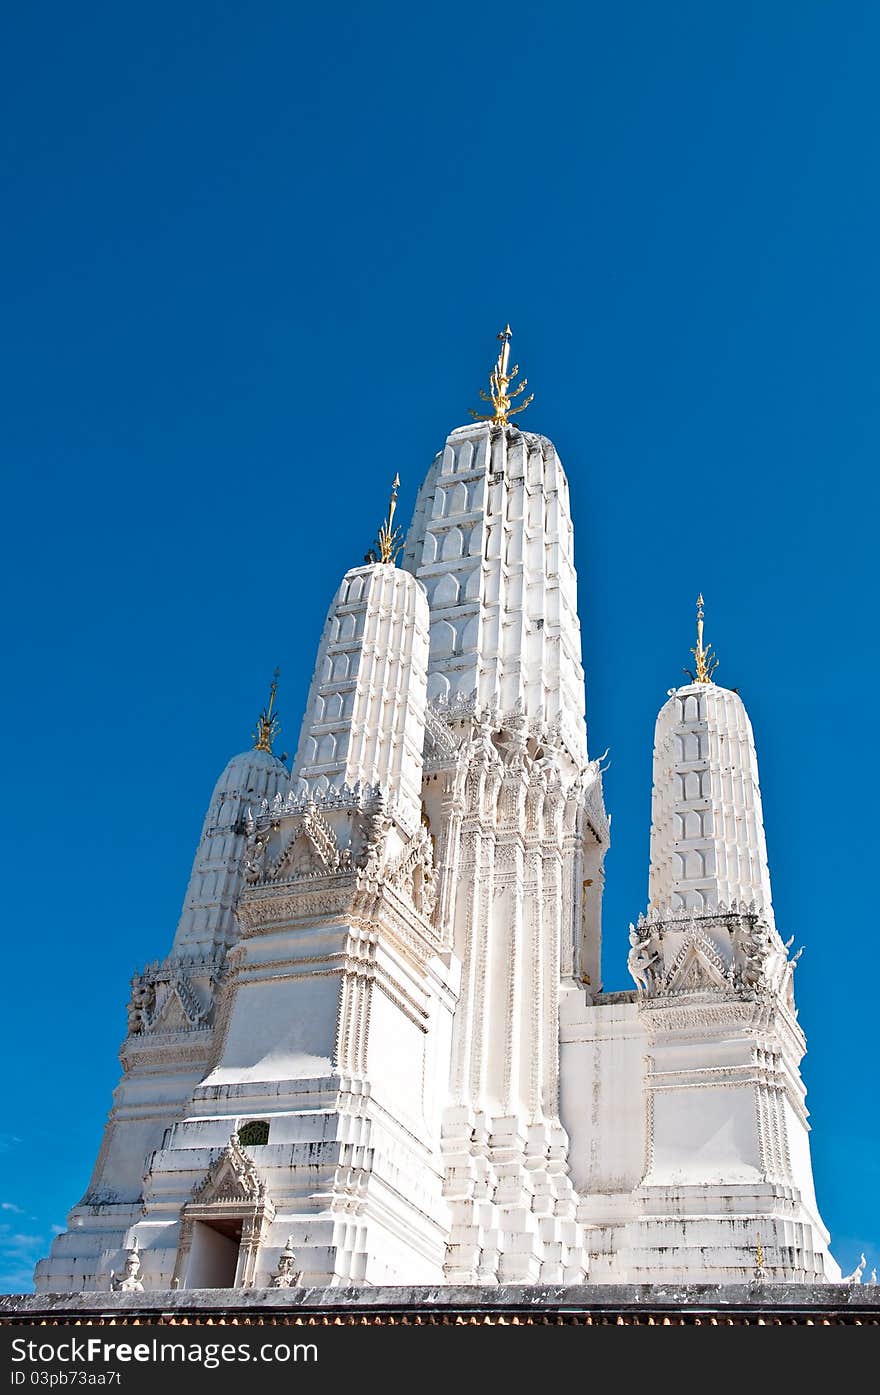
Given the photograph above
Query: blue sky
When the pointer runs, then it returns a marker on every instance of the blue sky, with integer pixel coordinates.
(253, 262)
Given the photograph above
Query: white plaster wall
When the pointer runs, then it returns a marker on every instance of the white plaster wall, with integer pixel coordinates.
(602, 1048)
(396, 1060)
(282, 1026)
(704, 1135)
(798, 1141)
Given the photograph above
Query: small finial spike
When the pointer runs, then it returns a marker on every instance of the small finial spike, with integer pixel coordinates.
(389, 540)
(706, 661)
(500, 393)
(268, 725)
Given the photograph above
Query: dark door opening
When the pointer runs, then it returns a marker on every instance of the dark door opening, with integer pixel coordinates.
(213, 1257)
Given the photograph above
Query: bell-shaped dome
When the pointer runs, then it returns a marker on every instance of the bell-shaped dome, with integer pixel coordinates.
(254, 773)
(208, 923)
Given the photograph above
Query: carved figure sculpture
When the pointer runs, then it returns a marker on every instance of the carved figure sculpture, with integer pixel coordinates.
(285, 1276)
(642, 959)
(131, 1280)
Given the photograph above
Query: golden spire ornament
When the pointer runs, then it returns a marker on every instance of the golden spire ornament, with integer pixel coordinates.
(268, 725)
(706, 661)
(389, 540)
(500, 394)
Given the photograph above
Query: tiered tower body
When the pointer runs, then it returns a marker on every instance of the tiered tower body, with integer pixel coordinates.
(707, 830)
(518, 808)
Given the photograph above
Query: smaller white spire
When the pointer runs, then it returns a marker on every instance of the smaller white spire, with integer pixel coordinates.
(208, 921)
(365, 719)
(707, 826)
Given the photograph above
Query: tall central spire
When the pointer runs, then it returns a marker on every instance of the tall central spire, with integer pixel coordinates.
(493, 544)
(499, 384)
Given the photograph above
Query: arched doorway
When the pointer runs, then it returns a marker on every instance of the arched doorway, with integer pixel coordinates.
(222, 1228)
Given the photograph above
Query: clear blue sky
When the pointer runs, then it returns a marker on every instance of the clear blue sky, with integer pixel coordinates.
(254, 258)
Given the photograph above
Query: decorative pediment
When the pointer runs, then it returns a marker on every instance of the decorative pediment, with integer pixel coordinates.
(163, 998)
(696, 967)
(728, 950)
(310, 845)
(302, 857)
(232, 1177)
(170, 1015)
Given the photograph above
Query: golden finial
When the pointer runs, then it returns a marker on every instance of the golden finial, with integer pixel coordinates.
(499, 383)
(706, 661)
(389, 540)
(268, 725)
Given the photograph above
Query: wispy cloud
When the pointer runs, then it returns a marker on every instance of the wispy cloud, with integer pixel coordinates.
(16, 1278)
(11, 1206)
(9, 1141)
(19, 1252)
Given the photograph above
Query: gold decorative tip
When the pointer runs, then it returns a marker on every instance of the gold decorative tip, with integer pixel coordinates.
(389, 540)
(268, 725)
(706, 661)
(500, 394)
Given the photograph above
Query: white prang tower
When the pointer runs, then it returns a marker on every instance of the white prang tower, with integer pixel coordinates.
(521, 831)
(379, 1051)
(709, 1160)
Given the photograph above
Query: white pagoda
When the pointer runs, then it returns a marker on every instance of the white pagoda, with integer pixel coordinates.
(378, 1051)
